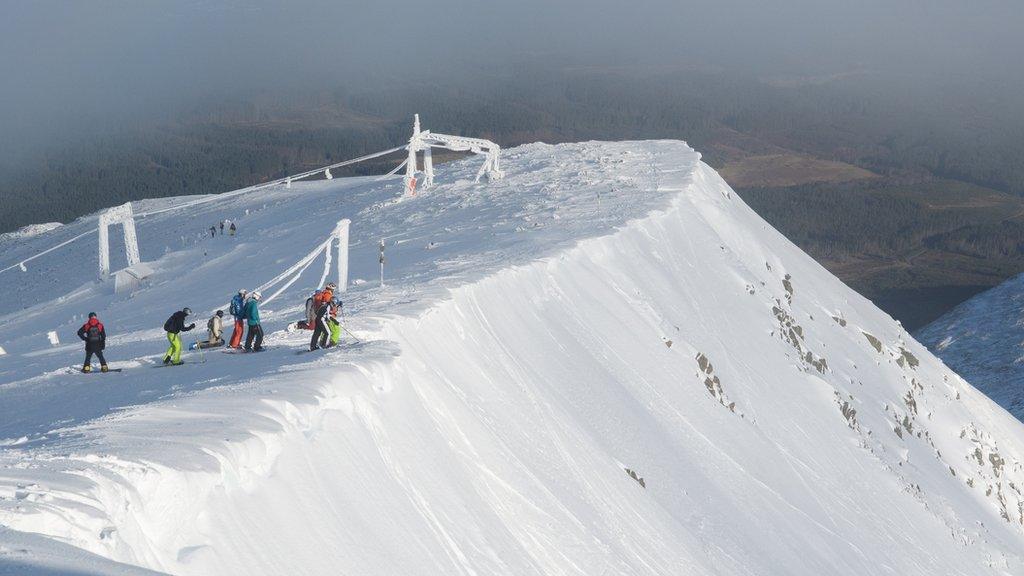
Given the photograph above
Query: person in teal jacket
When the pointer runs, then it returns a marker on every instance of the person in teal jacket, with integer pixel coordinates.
(252, 316)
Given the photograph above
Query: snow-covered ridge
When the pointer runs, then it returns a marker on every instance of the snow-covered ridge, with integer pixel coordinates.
(605, 364)
(29, 231)
(983, 340)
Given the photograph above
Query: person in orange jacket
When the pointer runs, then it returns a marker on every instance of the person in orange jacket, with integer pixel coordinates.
(325, 296)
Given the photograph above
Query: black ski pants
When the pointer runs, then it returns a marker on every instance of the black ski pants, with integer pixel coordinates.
(321, 333)
(99, 355)
(255, 332)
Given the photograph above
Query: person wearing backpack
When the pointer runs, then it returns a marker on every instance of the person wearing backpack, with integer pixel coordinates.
(215, 327)
(214, 330)
(252, 316)
(95, 338)
(321, 327)
(237, 310)
(311, 306)
(174, 326)
(325, 296)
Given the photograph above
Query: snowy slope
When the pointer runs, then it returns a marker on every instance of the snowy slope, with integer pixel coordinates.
(983, 340)
(605, 363)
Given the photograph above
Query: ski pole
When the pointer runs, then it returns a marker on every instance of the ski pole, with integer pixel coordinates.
(341, 310)
(358, 341)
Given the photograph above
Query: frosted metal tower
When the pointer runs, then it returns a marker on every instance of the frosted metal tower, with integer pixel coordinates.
(425, 140)
(118, 215)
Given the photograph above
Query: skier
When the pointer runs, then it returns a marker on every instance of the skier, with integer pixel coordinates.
(324, 296)
(221, 227)
(333, 323)
(174, 326)
(214, 330)
(232, 229)
(252, 315)
(322, 327)
(95, 338)
(311, 305)
(335, 327)
(213, 231)
(237, 310)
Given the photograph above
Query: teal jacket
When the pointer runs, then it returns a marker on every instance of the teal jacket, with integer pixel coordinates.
(252, 313)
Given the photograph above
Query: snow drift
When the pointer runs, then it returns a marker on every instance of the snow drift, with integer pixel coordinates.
(606, 363)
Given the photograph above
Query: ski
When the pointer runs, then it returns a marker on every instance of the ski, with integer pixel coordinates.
(80, 371)
(325, 349)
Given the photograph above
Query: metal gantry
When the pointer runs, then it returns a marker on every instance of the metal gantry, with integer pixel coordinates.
(118, 215)
(425, 140)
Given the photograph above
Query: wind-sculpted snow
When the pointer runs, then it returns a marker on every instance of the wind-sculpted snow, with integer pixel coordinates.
(983, 341)
(604, 364)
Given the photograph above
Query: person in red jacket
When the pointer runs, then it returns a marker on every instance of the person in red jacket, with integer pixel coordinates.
(95, 338)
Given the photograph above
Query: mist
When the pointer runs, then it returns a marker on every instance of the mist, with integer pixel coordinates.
(83, 68)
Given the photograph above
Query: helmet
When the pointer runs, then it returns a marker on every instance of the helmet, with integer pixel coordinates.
(331, 286)
(336, 301)
(187, 311)
(220, 312)
(256, 296)
(243, 292)
(92, 314)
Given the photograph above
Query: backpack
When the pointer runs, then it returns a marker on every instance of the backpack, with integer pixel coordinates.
(235, 306)
(209, 324)
(93, 333)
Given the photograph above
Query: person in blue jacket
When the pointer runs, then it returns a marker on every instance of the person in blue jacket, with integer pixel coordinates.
(252, 316)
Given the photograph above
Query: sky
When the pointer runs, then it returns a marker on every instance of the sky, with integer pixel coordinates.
(90, 65)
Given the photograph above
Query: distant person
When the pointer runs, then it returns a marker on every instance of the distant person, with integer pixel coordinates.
(232, 229)
(252, 316)
(174, 326)
(213, 231)
(95, 338)
(221, 227)
(237, 310)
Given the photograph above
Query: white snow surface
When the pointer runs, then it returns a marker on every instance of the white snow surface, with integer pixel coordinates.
(983, 341)
(29, 231)
(607, 307)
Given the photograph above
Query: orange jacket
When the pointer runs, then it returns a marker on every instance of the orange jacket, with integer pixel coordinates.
(323, 297)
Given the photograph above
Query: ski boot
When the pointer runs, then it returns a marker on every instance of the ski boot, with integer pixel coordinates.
(86, 368)
(104, 368)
